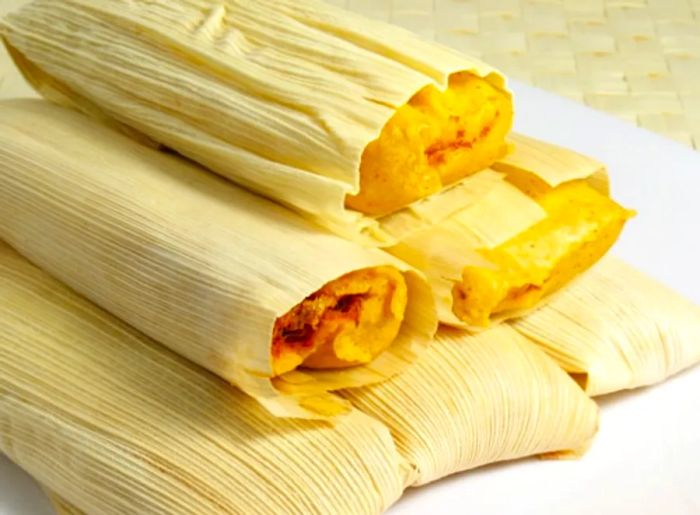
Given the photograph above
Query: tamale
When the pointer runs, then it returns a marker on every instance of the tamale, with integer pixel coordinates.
(616, 329)
(237, 284)
(115, 423)
(535, 225)
(473, 400)
(338, 116)
(579, 227)
(477, 399)
(111, 422)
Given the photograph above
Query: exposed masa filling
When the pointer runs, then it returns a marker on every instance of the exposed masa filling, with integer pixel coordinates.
(581, 225)
(347, 322)
(436, 139)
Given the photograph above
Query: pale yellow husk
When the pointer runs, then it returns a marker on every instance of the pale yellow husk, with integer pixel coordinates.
(116, 424)
(112, 422)
(280, 96)
(60, 505)
(442, 238)
(615, 329)
(553, 164)
(194, 262)
(472, 400)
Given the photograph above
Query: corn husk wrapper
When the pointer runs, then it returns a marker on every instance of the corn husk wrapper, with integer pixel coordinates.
(111, 422)
(473, 400)
(278, 95)
(630, 332)
(198, 264)
(60, 505)
(616, 329)
(552, 164)
(115, 423)
(440, 238)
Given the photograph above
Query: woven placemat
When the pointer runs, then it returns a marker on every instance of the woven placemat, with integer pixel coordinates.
(636, 59)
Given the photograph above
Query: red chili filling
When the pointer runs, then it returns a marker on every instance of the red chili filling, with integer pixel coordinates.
(437, 152)
(298, 327)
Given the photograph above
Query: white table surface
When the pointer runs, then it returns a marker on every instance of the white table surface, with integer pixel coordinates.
(646, 458)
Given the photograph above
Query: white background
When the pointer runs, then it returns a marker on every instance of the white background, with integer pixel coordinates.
(646, 458)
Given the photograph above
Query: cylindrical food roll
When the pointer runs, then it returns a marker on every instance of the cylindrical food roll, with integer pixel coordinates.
(338, 116)
(231, 281)
(579, 227)
(616, 329)
(473, 400)
(478, 399)
(103, 416)
(116, 424)
(539, 222)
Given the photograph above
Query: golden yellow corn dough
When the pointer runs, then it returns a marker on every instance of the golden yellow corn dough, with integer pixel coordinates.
(347, 322)
(581, 225)
(437, 138)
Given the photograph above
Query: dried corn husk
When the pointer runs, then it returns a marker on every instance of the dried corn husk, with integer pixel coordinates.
(278, 95)
(472, 400)
(115, 423)
(616, 329)
(61, 506)
(197, 264)
(440, 238)
(283, 97)
(552, 164)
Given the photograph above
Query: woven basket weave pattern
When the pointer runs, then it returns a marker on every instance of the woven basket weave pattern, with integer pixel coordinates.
(636, 59)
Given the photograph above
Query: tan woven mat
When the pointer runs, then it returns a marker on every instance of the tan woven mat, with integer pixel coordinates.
(637, 59)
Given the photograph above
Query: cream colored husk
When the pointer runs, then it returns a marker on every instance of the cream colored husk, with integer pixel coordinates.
(280, 96)
(115, 423)
(472, 400)
(194, 262)
(616, 329)
(442, 239)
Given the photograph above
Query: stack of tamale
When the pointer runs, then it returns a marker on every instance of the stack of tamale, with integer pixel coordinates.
(291, 197)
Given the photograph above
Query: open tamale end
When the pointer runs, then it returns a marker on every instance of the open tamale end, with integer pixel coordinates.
(241, 286)
(340, 117)
(529, 229)
(115, 423)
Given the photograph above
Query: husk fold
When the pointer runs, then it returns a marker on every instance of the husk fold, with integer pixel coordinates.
(616, 329)
(473, 400)
(441, 236)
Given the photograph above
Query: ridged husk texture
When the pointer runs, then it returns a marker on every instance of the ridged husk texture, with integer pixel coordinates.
(197, 263)
(115, 423)
(280, 96)
(616, 328)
